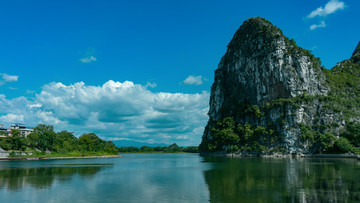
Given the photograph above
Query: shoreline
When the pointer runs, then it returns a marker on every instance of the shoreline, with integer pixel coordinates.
(280, 155)
(60, 157)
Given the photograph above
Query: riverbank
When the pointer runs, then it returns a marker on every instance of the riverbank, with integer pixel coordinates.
(280, 155)
(60, 157)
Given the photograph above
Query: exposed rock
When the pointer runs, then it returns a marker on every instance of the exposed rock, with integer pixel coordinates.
(265, 79)
(3, 153)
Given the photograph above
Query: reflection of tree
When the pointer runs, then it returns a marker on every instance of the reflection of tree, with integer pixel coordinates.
(41, 177)
(283, 180)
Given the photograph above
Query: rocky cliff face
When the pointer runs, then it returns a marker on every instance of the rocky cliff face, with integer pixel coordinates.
(267, 92)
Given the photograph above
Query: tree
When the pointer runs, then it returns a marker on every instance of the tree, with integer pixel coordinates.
(42, 137)
(91, 142)
(326, 141)
(342, 145)
(146, 149)
(191, 149)
(65, 142)
(174, 148)
(17, 140)
(111, 148)
(353, 133)
(225, 134)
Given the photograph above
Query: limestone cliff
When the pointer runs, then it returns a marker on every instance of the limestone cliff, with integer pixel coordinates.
(269, 95)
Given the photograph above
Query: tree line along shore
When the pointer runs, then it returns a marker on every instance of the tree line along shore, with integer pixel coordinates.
(45, 143)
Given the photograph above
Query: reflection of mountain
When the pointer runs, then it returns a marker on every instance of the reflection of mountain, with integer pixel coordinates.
(42, 177)
(283, 180)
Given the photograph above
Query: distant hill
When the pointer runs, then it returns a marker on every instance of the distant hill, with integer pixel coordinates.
(130, 143)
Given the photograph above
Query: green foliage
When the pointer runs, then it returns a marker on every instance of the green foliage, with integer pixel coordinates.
(91, 142)
(146, 149)
(353, 133)
(129, 149)
(225, 134)
(65, 142)
(191, 149)
(110, 148)
(44, 138)
(15, 142)
(344, 82)
(254, 109)
(317, 142)
(342, 145)
(173, 148)
(307, 133)
(228, 135)
(326, 141)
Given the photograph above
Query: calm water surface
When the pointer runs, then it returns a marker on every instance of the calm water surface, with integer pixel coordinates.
(180, 178)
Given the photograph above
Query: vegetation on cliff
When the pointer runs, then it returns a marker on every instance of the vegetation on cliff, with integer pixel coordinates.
(293, 116)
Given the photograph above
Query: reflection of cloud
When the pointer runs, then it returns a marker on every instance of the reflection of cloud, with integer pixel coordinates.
(114, 110)
(146, 178)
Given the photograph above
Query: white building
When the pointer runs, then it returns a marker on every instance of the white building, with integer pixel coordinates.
(24, 131)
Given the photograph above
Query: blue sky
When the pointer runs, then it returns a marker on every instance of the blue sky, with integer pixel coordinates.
(141, 70)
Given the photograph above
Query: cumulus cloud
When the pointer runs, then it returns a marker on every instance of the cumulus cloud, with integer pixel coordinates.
(5, 78)
(329, 8)
(115, 110)
(314, 26)
(88, 59)
(194, 80)
(12, 118)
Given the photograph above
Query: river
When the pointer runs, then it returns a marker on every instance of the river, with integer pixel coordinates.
(180, 178)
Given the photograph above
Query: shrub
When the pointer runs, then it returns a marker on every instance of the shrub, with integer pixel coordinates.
(342, 145)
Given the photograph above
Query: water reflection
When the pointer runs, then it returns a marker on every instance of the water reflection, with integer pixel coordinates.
(17, 178)
(283, 180)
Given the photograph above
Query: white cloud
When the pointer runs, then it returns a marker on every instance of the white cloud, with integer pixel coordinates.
(34, 106)
(331, 7)
(12, 118)
(114, 110)
(314, 26)
(194, 80)
(88, 59)
(10, 78)
(5, 78)
(151, 84)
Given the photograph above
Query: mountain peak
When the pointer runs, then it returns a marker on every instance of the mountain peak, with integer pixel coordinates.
(252, 30)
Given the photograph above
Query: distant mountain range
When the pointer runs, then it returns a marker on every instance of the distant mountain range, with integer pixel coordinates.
(130, 143)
